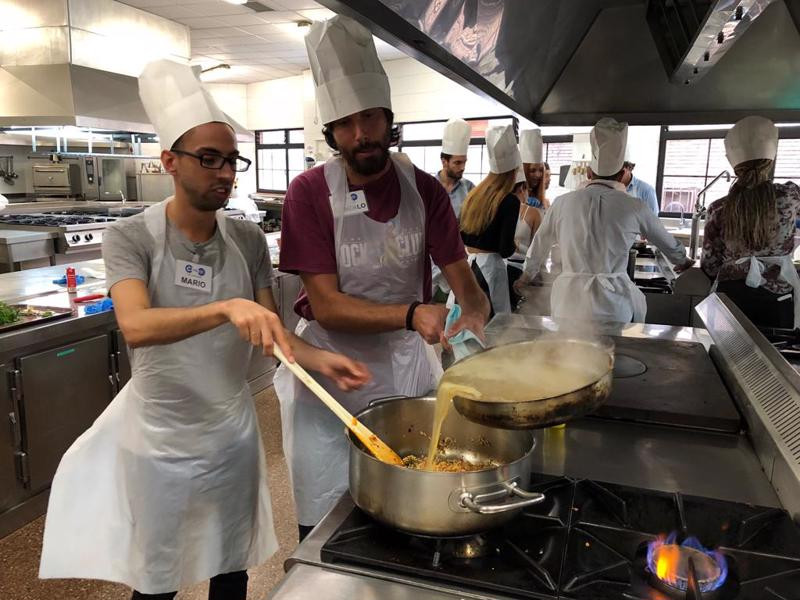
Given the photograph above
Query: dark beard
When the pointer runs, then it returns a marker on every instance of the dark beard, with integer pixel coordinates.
(367, 166)
(453, 176)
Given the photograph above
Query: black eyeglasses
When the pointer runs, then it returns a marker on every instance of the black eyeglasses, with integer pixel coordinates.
(217, 161)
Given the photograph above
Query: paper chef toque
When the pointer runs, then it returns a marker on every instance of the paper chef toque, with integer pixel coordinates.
(750, 139)
(501, 144)
(608, 139)
(456, 136)
(348, 76)
(176, 101)
(520, 176)
(530, 146)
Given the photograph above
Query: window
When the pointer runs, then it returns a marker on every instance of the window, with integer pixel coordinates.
(422, 142)
(279, 158)
(691, 159)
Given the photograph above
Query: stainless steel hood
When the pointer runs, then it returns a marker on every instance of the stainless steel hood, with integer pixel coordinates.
(76, 62)
(568, 62)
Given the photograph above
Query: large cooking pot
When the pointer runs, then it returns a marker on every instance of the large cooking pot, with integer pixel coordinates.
(440, 503)
(593, 361)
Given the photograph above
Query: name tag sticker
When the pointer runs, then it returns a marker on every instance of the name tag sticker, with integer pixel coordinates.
(193, 276)
(355, 203)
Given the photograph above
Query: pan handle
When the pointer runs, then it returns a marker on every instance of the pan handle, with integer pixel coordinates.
(475, 503)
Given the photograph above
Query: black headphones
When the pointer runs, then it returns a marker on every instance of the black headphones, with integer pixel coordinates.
(394, 137)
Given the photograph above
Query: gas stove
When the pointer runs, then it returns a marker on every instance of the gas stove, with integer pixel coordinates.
(598, 541)
(78, 230)
(73, 230)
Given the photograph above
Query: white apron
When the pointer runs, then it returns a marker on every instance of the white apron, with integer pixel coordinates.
(597, 296)
(493, 269)
(755, 276)
(381, 262)
(168, 487)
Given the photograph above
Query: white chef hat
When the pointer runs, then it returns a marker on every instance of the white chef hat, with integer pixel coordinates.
(501, 145)
(530, 146)
(750, 139)
(347, 74)
(520, 176)
(456, 136)
(176, 101)
(608, 139)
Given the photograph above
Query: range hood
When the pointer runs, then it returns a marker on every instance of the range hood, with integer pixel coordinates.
(76, 62)
(569, 62)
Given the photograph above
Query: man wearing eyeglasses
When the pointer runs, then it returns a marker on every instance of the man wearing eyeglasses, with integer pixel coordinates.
(168, 487)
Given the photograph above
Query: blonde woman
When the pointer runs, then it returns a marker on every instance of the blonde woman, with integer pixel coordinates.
(489, 217)
(749, 234)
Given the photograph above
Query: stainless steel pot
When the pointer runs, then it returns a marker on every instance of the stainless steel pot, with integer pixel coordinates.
(438, 503)
(597, 357)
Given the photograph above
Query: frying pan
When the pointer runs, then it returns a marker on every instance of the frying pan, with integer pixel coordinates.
(596, 357)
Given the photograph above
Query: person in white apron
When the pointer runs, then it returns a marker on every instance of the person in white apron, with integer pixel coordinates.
(749, 234)
(168, 487)
(373, 307)
(594, 228)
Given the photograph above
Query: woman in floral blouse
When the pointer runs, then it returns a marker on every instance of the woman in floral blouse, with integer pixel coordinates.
(749, 234)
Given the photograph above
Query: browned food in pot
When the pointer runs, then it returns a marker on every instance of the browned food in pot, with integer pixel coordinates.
(445, 464)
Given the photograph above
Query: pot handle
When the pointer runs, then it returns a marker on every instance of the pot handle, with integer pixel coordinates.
(385, 399)
(474, 503)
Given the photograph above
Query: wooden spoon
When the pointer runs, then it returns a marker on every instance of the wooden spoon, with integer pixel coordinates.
(371, 441)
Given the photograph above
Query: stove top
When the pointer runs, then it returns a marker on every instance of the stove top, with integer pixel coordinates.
(589, 540)
(57, 220)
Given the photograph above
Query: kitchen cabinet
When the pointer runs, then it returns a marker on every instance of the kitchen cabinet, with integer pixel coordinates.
(9, 440)
(121, 361)
(61, 392)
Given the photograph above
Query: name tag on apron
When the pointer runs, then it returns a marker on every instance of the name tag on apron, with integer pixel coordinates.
(355, 203)
(193, 276)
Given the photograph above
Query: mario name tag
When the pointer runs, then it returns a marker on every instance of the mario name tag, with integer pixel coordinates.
(193, 276)
(355, 203)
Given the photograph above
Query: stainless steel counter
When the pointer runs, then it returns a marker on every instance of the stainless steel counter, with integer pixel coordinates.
(305, 582)
(506, 328)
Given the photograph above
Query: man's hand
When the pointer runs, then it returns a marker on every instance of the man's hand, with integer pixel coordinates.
(686, 265)
(474, 321)
(258, 325)
(347, 374)
(428, 321)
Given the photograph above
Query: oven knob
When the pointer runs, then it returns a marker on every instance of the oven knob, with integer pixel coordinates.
(76, 238)
(88, 237)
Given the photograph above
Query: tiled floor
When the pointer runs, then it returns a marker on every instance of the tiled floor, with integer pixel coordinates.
(19, 552)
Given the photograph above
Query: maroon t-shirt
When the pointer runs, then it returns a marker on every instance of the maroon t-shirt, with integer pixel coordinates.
(307, 237)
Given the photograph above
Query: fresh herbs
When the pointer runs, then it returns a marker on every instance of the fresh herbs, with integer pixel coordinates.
(8, 314)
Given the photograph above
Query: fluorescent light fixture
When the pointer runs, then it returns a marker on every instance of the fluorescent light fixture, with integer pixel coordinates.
(236, 1)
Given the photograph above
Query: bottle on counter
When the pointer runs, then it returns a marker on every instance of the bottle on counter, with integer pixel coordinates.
(72, 281)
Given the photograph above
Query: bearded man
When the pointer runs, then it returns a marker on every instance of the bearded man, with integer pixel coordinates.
(361, 231)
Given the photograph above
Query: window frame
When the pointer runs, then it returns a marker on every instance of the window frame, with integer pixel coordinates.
(286, 146)
(784, 133)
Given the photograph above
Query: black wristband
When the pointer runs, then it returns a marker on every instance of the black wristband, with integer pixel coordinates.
(410, 314)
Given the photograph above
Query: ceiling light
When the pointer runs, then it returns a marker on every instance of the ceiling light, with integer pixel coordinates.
(236, 1)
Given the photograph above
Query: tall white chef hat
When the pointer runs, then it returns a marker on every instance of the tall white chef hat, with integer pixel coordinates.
(456, 136)
(176, 101)
(501, 145)
(520, 176)
(750, 139)
(530, 146)
(347, 74)
(608, 139)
